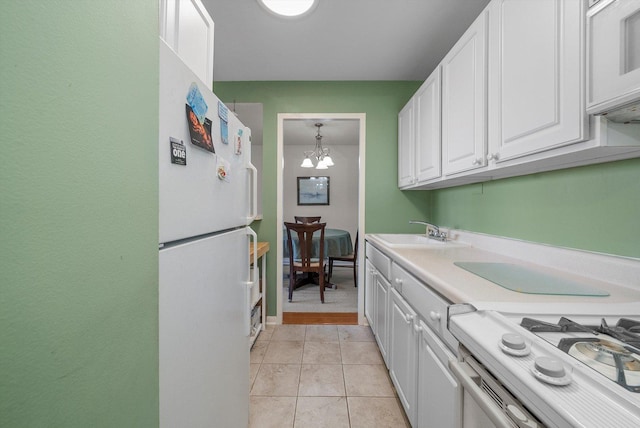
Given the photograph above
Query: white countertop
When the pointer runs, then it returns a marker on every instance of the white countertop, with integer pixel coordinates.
(619, 276)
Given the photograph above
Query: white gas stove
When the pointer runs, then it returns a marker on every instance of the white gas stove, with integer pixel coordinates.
(570, 366)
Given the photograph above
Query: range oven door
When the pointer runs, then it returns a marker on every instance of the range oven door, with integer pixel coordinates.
(486, 403)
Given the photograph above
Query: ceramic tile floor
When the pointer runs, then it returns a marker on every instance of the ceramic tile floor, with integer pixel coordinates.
(308, 376)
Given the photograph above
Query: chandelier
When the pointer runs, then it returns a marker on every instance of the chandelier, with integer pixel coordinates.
(320, 153)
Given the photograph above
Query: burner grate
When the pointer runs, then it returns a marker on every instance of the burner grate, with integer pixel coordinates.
(596, 351)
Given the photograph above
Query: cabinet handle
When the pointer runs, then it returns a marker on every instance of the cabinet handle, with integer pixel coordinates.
(408, 318)
(477, 161)
(435, 316)
(417, 328)
(398, 284)
(493, 156)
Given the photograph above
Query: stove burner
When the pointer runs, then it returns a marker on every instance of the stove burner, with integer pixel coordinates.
(608, 353)
(625, 330)
(595, 352)
(618, 362)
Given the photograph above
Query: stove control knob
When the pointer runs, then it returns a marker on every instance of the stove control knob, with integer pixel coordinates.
(513, 341)
(514, 344)
(550, 367)
(551, 371)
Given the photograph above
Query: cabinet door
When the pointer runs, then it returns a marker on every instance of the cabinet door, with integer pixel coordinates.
(464, 101)
(187, 27)
(536, 76)
(369, 294)
(427, 128)
(380, 316)
(403, 350)
(406, 144)
(439, 394)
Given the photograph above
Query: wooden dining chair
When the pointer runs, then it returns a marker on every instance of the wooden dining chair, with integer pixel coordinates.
(305, 263)
(350, 258)
(301, 219)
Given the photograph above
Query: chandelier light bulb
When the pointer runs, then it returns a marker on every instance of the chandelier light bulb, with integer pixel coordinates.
(321, 154)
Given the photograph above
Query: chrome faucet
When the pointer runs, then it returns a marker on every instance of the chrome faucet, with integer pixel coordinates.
(432, 231)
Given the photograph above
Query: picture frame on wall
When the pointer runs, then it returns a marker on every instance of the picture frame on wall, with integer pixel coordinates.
(313, 190)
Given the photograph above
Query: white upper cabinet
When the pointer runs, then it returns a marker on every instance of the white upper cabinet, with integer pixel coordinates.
(406, 145)
(536, 76)
(427, 128)
(185, 25)
(464, 100)
(419, 142)
(513, 94)
(614, 54)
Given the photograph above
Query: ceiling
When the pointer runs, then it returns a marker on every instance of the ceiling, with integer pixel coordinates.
(302, 132)
(339, 40)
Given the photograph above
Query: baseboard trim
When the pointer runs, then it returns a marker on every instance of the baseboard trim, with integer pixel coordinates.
(339, 318)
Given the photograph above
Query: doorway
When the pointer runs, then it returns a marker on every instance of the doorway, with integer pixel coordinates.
(344, 135)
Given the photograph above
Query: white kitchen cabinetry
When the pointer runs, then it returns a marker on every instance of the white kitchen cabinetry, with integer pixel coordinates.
(403, 352)
(614, 54)
(536, 76)
(419, 148)
(381, 314)
(378, 289)
(438, 390)
(406, 145)
(369, 301)
(418, 352)
(187, 27)
(464, 100)
(513, 91)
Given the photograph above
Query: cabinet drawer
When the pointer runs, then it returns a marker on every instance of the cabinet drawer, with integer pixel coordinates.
(381, 262)
(430, 306)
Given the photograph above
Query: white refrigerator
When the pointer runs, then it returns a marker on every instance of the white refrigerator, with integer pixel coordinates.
(206, 201)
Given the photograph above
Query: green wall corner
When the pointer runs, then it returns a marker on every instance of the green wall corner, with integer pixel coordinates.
(78, 218)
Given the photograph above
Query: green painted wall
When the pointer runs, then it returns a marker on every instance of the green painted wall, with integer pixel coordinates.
(387, 208)
(78, 217)
(594, 208)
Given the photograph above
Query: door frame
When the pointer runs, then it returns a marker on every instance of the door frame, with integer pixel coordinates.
(361, 117)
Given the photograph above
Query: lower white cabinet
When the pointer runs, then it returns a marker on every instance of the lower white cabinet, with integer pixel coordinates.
(369, 301)
(408, 320)
(403, 353)
(380, 314)
(439, 393)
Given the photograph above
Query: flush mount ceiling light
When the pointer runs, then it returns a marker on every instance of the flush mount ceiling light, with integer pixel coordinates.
(320, 153)
(289, 8)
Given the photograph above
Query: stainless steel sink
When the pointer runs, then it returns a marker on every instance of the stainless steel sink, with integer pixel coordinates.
(399, 240)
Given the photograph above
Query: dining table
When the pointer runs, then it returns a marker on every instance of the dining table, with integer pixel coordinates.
(337, 243)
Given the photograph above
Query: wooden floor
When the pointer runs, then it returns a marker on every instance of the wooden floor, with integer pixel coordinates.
(337, 318)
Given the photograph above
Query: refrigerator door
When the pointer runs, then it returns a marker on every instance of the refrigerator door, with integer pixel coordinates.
(204, 348)
(197, 198)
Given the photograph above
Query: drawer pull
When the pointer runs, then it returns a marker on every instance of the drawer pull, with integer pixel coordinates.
(435, 316)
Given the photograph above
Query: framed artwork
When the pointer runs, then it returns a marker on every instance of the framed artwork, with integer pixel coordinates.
(313, 190)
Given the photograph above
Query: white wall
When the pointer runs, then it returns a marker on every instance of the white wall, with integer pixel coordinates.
(342, 213)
